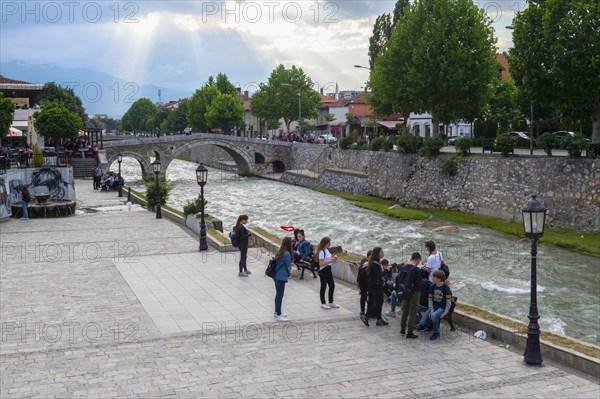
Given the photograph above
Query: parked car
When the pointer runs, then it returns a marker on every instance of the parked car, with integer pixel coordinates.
(326, 138)
(519, 135)
(187, 131)
(561, 134)
(261, 137)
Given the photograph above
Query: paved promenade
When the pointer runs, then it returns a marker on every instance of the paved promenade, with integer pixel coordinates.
(115, 303)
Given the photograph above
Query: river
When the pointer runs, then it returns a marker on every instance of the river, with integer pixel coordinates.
(488, 269)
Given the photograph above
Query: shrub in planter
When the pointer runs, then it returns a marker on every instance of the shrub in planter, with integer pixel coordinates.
(359, 145)
(574, 145)
(37, 157)
(163, 188)
(547, 141)
(193, 207)
(346, 142)
(431, 146)
(408, 143)
(505, 143)
(380, 143)
(463, 146)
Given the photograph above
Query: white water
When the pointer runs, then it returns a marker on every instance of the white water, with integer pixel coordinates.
(488, 269)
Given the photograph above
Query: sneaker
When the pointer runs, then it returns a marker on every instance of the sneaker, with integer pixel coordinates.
(242, 274)
(390, 313)
(333, 305)
(364, 319)
(411, 335)
(281, 317)
(434, 337)
(362, 313)
(325, 306)
(248, 272)
(275, 314)
(402, 332)
(421, 328)
(381, 323)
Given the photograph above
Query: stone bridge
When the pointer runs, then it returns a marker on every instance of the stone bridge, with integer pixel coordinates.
(252, 156)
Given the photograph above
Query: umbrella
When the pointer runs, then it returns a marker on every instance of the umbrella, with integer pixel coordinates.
(14, 132)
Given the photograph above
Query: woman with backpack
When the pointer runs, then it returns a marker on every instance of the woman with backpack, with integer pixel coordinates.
(241, 236)
(325, 259)
(283, 267)
(363, 282)
(375, 271)
(25, 199)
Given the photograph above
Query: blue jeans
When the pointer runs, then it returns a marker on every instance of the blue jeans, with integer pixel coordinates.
(394, 299)
(435, 319)
(421, 311)
(25, 212)
(279, 290)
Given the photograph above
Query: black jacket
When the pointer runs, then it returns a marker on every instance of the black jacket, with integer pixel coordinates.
(375, 277)
(414, 277)
(241, 236)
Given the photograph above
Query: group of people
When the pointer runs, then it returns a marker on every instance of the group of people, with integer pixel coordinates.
(106, 181)
(425, 294)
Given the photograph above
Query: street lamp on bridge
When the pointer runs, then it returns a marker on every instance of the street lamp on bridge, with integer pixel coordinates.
(119, 160)
(156, 169)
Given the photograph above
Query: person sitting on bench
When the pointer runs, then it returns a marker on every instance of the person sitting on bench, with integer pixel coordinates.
(303, 254)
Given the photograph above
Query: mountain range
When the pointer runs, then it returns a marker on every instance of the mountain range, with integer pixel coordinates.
(101, 93)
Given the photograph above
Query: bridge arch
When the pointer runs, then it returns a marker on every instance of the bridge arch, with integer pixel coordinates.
(243, 159)
(143, 161)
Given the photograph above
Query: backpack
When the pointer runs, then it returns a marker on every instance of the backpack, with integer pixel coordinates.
(233, 239)
(362, 274)
(403, 283)
(444, 268)
(271, 270)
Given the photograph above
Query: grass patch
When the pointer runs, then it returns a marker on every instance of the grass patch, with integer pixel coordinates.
(183, 158)
(217, 235)
(585, 243)
(556, 339)
(266, 234)
(349, 257)
(378, 205)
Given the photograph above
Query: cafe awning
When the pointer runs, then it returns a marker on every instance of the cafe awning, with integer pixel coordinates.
(390, 124)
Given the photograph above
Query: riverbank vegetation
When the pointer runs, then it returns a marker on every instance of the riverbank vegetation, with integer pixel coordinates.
(582, 242)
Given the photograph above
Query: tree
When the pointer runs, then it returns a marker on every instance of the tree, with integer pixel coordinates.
(7, 113)
(64, 95)
(440, 59)
(278, 98)
(177, 119)
(399, 9)
(502, 108)
(224, 85)
(225, 111)
(56, 121)
(555, 43)
(382, 31)
(199, 103)
(136, 118)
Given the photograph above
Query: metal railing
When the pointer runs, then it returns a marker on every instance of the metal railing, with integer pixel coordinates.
(28, 160)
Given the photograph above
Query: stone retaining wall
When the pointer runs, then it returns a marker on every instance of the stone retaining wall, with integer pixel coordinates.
(489, 186)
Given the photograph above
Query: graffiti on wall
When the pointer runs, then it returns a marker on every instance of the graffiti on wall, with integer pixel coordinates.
(4, 199)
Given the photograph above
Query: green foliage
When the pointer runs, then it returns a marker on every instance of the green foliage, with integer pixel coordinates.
(224, 85)
(278, 98)
(65, 96)
(408, 143)
(140, 116)
(574, 145)
(163, 188)
(225, 112)
(438, 49)
(195, 206)
(380, 143)
(382, 30)
(547, 141)
(431, 146)
(449, 166)
(7, 111)
(176, 121)
(37, 157)
(346, 142)
(352, 119)
(554, 42)
(505, 143)
(463, 146)
(359, 145)
(199, 103)
(56, 121)
(502, 108)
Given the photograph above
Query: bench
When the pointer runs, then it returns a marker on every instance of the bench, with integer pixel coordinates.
(489, 146)
(303, 265)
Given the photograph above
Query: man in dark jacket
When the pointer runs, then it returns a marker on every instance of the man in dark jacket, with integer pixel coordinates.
(410, 302)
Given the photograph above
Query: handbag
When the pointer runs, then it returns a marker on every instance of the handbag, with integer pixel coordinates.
(444, 268)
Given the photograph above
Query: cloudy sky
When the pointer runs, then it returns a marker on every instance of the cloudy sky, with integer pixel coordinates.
(178, 44)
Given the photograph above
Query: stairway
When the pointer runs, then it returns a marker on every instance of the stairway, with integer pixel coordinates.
(82, 167)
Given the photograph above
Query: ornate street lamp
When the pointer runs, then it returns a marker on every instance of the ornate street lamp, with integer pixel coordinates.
(534, 217)
(156, 168)
(201, 178)
(119, 160)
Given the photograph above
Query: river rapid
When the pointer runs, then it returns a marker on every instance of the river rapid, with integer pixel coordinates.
(488, 269)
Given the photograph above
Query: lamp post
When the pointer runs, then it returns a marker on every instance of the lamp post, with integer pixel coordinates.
(119, 160)
(201, 177)
(156, 168)
(374, 116)
(534, 217)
